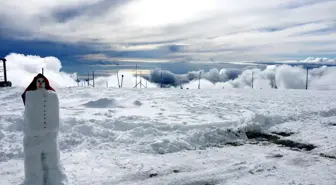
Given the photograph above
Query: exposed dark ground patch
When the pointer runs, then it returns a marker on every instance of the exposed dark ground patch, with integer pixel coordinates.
(293, 144)
(199, 183)
(327, 156)
(234, 143)
(277, 140)
(332, 124)
(284, 134)
(176, 171)
(152, 175)
(261, 136)
(275, 156)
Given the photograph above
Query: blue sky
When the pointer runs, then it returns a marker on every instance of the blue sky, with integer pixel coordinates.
(168, 33)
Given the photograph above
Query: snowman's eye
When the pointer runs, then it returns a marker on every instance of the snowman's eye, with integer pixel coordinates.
(42, 81)
(38, 81)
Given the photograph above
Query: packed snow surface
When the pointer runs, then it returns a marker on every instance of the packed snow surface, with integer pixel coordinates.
(111, 136)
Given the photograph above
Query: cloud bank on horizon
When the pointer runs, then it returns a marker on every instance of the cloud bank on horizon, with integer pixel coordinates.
(22, 69)
(182, 30)
(312, 60)
(280, 76)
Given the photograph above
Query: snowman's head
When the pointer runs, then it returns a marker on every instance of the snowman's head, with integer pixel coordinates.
(40, 83)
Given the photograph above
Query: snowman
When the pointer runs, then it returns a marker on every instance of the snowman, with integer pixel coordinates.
(41, 127)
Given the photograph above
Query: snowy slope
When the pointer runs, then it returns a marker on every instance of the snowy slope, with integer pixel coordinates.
(187, 137)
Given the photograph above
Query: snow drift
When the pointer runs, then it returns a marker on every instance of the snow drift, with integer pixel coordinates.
(102, 103)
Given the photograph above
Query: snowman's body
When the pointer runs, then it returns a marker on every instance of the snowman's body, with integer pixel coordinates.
(41, 112)
(41, 127)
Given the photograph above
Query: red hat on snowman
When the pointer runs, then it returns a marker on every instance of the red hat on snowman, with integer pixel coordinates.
(39, 82)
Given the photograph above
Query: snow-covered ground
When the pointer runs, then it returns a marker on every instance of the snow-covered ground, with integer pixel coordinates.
(115, 136)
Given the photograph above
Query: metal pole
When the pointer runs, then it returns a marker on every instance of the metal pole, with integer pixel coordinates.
(93, 77)
(122, 80)
(118, 79)
(140, 81)
(136, 75)
(199, 81)
(88, 79)
(307, 80)
(77, 79)
(5, 70)
(161, 79)
(252, 78)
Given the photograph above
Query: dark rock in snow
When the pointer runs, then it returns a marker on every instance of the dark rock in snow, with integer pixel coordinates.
(284, 134)
(138, 103)
(293, 144)
(152, 175)
(276, 140)
(327, 156)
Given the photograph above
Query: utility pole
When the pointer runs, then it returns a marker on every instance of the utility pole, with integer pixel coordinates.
(161, 79)
(4, 83)
(4, 68)
(140, 80)
(118, 79)
(122, 80)
(252, 78)
(136, 75)
(199, 81)
(140, 83)
(93, 77)
(77, 79)
(307, 79)
(88, 79)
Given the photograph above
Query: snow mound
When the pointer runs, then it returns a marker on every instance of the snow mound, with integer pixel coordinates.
(167, 146)
(259, 122)
(215, 137)
(137, 102)
(205, 136)
(200, 139)
(102, 103)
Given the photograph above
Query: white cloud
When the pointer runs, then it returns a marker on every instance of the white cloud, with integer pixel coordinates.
(312, 60)
(283, 76)
(22, 69)
(128, 81)
(319, 60)
(219, 29)
(158, 13)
